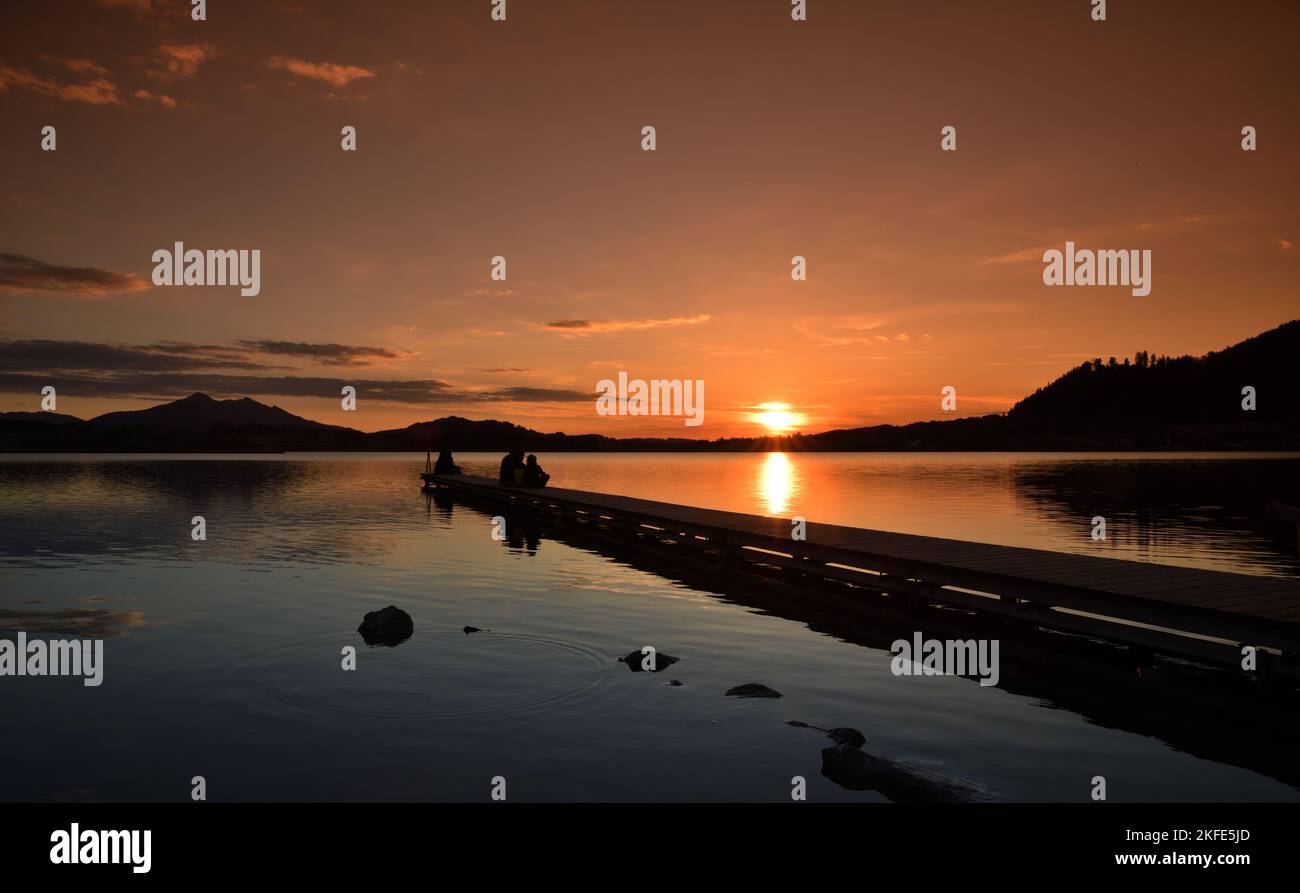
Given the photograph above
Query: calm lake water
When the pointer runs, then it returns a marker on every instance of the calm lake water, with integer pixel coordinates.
(222, 657)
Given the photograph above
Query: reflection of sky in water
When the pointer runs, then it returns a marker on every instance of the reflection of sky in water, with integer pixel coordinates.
(226, 656)
(1192, 510)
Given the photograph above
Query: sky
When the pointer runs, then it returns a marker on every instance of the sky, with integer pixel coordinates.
(523, 139)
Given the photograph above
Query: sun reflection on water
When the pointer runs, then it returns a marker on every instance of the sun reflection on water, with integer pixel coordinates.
(776, 482)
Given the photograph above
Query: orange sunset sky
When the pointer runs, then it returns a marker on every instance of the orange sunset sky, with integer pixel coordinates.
(523, 139)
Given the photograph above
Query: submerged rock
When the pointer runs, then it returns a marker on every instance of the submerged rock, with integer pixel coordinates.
(858, 770)
(840, 734)
(752, 690)
(636, 659)
(390, 626)
(846, 736)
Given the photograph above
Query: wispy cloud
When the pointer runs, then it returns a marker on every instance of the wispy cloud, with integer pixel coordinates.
(80, 66)
(26, 274)
(99, 91)
(840, 331)
(162, 98)
(574, 326)
(1019, 256)
(326, 354)
(152, 385)
(1177, 223)
(97, 357)
(1095, 234)
(175, 61)
(171, 356)
(173, 369)
(329, 72)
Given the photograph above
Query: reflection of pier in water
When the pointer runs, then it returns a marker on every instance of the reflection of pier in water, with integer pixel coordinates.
(1202, 614)
(1205, 711)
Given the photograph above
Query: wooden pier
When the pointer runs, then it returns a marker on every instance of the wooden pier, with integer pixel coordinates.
(1207, 615)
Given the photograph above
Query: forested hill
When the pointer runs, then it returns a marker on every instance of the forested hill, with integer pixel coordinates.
(1148, 392)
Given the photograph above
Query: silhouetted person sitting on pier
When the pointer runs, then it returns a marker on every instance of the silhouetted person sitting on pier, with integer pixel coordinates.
(512, 469)
(444, 465)
(533, 474)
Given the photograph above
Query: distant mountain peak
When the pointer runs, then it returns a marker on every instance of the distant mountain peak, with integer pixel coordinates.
(199, 413)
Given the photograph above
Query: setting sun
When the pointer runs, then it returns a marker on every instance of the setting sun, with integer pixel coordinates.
(777, 417)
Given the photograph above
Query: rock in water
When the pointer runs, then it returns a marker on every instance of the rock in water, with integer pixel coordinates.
(391, 626)
(846, 736)
(635, 659)
(840, 735)
(752, 690)
(472, 629)
(850, 768)
(858, 770)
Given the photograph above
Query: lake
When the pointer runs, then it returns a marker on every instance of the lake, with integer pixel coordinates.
(222, 658)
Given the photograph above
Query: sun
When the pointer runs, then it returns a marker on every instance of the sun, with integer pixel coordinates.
(777, 417)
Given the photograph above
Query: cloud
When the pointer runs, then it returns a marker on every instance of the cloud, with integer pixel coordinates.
(326, 354)
(89, 356)
(26, 274)
(589, 326)
(100, 91)
(1020, 256)
(164, 99)
(1089, 236)
(872, 329)
(534, 395)
(841, 330)
(329, 72)
(152, 385)
(172, 356)
(180, 60)
(169, 370)
(1179, 223)
(81, 66)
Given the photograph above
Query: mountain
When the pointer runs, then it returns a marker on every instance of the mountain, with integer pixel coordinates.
(484, 435)
(457, 433)
(196, 423)
(42, 418)
(1143, 403)
(200, 413)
